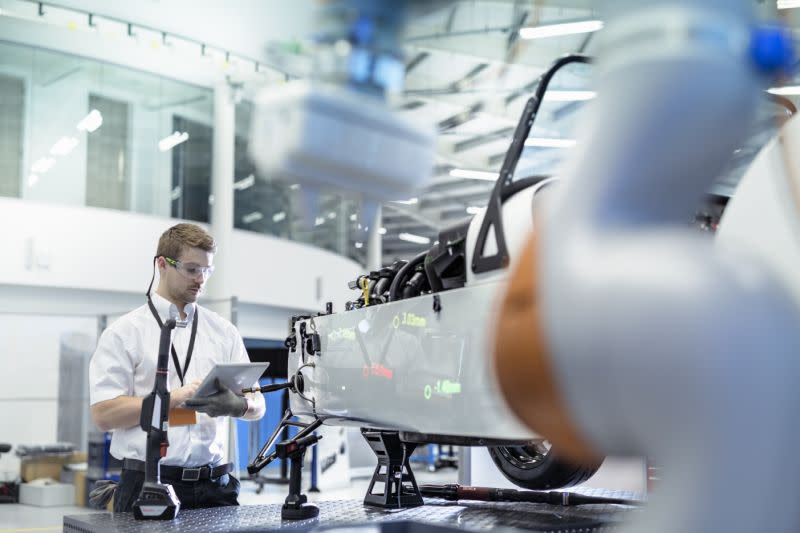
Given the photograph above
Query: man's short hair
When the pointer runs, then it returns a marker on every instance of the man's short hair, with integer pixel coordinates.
(183, 236)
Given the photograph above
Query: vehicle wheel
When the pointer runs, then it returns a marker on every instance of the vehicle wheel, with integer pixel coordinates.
(533, 467)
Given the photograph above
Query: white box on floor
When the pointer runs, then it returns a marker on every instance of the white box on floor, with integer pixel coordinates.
(52, 495)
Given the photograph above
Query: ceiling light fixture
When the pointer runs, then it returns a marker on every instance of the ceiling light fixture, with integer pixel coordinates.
(319, 221)
(568, 96)
(382, 231)
(788, 4)
(42, 165)
(255, 216)
(359, 244)
(91, 122)
(245, 183)
(171, 141)
(416, 239)
(277, 217)
(560, 29)
(473, 174)
(64, 146)
(544, 142)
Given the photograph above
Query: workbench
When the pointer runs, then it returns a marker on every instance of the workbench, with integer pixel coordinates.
(435, 516)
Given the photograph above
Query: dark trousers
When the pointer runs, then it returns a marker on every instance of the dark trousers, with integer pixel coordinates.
(218, 492)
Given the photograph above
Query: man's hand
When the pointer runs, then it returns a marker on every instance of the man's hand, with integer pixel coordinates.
(225, 402)
(181, 394)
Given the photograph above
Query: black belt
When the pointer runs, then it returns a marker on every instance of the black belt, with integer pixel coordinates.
(181, 473)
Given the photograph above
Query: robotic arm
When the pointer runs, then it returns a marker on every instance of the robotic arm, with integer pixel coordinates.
(647, 340)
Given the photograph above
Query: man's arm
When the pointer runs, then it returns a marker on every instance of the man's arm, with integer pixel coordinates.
(119, 413)
(125, 411)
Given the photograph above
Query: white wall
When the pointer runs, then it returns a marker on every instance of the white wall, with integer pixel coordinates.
(29, 349)
(106, 250)
(244, 26)
(246, 29)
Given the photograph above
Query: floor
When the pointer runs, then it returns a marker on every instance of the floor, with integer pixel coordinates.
(25, 518)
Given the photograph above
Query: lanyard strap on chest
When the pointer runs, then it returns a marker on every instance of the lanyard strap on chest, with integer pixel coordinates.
(180, 371)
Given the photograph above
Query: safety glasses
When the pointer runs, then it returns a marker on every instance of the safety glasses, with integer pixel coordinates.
(190, 270)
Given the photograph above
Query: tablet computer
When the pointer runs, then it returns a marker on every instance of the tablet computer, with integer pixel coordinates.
(235, 376)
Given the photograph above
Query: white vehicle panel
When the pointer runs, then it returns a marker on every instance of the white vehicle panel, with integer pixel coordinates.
(402, 365)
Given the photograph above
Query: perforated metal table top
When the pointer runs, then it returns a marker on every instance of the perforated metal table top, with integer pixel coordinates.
(436, 515)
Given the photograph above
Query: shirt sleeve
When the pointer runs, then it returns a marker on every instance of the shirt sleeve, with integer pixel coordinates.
(256, 407)
(110, 369)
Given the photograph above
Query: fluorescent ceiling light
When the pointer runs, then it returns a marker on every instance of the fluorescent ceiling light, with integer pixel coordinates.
(359, 244)
(410, 201)
(568, 96)
(64, 146)
(171, 141)
(277, 217)
(416, 239)
(331, 215)
(474, 209)
(473, 174)
(245, 183)
(353, 217)
(42, 165)
(788, 4)
(557, 30)
(255, 216)
(294, 186)
(789, 90)
(382, 231)
(544, 142)
(319, 221)
(91, 122)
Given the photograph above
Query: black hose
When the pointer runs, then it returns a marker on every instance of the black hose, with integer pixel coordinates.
(379, 289)
(370, 291)
(414, 286)
(399, 279)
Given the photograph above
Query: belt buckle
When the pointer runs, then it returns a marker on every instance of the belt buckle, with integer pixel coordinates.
(190, 474)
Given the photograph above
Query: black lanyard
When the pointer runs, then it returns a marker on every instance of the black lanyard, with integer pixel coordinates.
(181, 372)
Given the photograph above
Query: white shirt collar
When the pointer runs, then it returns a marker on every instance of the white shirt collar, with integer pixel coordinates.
(165, 308)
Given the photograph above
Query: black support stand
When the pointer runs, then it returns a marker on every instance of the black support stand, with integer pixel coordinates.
(393, 471)
(296, 506)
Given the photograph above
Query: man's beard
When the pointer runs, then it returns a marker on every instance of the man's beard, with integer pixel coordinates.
(188, 296)
(191, 296)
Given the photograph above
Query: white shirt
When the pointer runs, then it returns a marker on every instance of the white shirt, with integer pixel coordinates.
(124, 364)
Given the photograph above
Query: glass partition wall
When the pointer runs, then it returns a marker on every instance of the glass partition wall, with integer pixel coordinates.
(81, 132)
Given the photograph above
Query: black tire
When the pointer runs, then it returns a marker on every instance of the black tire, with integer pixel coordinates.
(534, 467)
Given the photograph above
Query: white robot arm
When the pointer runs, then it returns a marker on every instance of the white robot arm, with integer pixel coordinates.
(657, 344)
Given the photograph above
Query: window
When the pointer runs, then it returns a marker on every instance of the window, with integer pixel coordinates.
(191, 171)
(12, 109)
(107, 160)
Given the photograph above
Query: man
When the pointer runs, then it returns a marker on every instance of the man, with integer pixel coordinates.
(122, 372)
